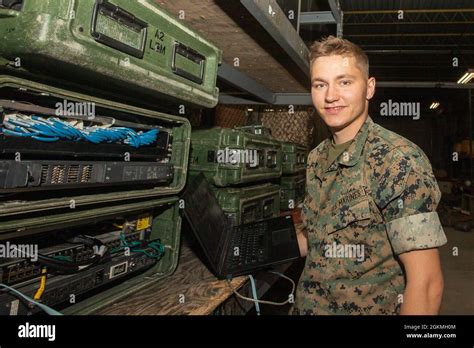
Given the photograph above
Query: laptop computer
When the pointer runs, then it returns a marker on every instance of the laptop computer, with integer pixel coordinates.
(236, 250)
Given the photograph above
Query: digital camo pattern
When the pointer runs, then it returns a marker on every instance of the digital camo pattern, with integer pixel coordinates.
(377, 200)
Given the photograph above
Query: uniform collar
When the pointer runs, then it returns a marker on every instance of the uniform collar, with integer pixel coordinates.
(352, 154)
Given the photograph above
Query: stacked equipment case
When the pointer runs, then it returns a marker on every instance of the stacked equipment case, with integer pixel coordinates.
(89, 183)
(293, 180)
(240, 163)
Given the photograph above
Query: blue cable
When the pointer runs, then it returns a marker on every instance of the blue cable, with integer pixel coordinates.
(254, 294)
(16, 134)
(45, 308)
(48, 140)
(54, 129)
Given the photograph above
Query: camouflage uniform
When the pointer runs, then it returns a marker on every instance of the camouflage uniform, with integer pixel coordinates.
(379, 195)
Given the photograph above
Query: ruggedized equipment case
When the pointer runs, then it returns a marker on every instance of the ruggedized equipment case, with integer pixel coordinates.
(256, 129)
(294, 158)
(292, 191)
(232, 156)
(71, 171)
(126, 272)
(243, 205)
(128, 47)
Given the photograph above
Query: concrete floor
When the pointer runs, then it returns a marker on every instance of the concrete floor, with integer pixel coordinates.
(458, 271)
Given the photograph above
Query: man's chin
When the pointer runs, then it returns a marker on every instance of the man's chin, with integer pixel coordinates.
(335, 124)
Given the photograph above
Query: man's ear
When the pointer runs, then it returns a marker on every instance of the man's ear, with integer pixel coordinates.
(370, 88)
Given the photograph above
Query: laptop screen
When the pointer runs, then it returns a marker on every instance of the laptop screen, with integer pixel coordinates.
(205, 216)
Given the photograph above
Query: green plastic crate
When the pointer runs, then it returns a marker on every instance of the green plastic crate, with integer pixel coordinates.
(126, 47)
(229, 156)
(248, 204)
(292, 191)
(179, 128)
(256, 129)
(294, 158)
(166, 225)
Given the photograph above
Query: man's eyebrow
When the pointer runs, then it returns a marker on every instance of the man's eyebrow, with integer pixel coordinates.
(317, 79)
(343, 76)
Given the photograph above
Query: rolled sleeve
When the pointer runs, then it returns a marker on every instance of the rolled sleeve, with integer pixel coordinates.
(409, 197)
(420, 231)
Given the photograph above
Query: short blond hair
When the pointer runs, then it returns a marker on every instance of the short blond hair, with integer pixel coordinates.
(331, 45)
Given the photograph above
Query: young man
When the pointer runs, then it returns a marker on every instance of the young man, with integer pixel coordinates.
(370, 228)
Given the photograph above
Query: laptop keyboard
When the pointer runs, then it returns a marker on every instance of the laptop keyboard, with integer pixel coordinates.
(247, 245)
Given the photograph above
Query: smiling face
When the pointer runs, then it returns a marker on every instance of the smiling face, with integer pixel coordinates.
(340, 92)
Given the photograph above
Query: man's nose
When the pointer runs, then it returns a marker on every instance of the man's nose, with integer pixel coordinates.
(332, 94)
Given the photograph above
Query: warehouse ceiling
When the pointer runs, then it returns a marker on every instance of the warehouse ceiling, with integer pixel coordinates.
(407, 41)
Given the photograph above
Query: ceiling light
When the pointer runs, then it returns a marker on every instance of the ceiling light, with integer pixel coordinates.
(466, 77)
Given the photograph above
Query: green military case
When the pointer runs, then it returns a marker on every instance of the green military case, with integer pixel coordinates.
(294, 158)
(212, 148)
(127, 47)
(248, 204)
(176, 151)
(256, 129)
(292, 191)
(165, 225)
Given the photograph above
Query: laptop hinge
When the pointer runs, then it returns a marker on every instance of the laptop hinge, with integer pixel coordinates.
(224, 246)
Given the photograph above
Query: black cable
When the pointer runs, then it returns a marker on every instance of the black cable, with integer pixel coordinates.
(69, 267)
(64, 267)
